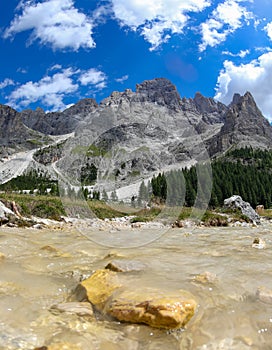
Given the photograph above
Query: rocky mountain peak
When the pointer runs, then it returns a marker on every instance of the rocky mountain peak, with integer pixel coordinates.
(207, 104)
(246, 100)
(13, 132)
(86, 105)
(160, 91)
(244, 125)
(6, 110)
(236, 98)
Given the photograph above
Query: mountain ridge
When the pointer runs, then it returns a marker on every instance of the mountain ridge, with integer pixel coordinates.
(154, 127)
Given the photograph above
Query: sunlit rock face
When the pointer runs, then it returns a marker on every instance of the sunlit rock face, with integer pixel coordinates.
(111, 293)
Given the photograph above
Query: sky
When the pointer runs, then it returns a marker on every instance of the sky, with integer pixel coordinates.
(56, 52)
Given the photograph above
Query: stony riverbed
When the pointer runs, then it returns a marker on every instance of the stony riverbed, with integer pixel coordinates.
(228, 277)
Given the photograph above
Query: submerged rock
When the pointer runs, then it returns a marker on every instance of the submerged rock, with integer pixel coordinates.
(125, 265)
(107, 291)
(264, 294)
(236, 202)
(206, 277)
(81, 309)
(258, 243)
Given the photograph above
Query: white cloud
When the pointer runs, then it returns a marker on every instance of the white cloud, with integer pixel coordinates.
(50, 90)
(6, 82)
(268, 29)
(255, 77)
(54, 87)
(54, 22)
(225, 19)
(241, 53)
(156, 19)
(122, 79)
(93, 77)
(55, 67)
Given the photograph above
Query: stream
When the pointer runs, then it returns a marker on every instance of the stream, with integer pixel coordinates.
(41, 268)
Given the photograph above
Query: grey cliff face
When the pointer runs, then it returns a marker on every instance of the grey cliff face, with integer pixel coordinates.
(59, 123)
(159, 91)
(244, 126)
(13, 132)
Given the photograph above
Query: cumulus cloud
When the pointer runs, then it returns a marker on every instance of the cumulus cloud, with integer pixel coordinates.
(255, 77)
(224, 20)
(93, 77)
(6, 82)
(268, 29)
(50, 90)
(156, 19)
(53, 22)
(54, 87)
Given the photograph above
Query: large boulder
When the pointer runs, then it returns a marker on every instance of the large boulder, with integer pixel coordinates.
(5, 213)
(112, 293)
(236, 202)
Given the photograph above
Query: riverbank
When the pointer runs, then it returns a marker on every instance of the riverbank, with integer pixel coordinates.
(41, 211)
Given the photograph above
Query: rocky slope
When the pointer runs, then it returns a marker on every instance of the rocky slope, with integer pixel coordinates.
(58, 123)
(132, 133)
(15, 135)
(135, 133)
(244, 126)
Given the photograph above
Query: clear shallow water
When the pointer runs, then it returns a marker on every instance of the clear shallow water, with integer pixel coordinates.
(42, 267)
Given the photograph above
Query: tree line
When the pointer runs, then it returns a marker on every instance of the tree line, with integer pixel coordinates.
(245, 172)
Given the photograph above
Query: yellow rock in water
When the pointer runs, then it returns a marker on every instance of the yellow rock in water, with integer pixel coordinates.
(149, 306)
(169, 312)
(98, 288)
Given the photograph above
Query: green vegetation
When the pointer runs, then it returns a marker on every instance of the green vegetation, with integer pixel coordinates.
(146, 215)
(52, 207)
(80, 150)
(34, 142)
(40, 206)
(94, 151)
(102, 210)
(159, 186)
(245, 172)
(32, 181)
(88, 174)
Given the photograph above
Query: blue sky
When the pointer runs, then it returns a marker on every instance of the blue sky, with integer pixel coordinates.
(56, 52)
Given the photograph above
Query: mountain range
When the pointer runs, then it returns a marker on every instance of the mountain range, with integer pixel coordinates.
(132, 134)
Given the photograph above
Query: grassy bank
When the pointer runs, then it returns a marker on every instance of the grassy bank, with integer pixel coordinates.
(51, 207)
(41, 206)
